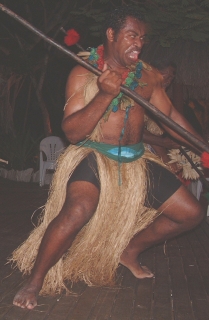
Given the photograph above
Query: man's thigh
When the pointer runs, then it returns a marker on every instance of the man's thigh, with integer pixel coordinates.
(169, 196)
(87, 171)
(83, 187)
(162, 184)
(182, 206)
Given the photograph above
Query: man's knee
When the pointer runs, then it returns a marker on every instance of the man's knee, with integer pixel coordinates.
(199, 213)
(76, 215)
(184, 209)
(80, 204)
(195, 214)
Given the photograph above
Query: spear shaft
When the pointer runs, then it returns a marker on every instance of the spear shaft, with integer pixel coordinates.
(133, 95)
(201, 175)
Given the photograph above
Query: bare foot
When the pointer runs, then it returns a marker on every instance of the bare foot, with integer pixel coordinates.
(26, 297)
(140, 272)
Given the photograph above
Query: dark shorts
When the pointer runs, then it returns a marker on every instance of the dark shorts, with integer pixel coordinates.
(162, 183)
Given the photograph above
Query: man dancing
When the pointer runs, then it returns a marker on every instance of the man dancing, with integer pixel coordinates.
(110, 200)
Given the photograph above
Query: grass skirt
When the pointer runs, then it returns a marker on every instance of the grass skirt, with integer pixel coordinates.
(95, 253)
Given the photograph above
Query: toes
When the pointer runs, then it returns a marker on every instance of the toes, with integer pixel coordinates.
(24, 302)
(148, 273)
(16, 301)
(31, 305)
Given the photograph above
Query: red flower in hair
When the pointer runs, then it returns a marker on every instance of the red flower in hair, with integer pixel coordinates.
(71, 38)
(205, 159)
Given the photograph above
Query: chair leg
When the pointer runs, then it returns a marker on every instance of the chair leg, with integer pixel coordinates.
(40, 181)
(42, 177)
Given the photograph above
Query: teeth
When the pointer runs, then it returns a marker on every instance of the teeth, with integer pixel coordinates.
(134, 55)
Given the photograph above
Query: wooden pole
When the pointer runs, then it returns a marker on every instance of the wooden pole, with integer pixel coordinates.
(200, 145)
(201, 175)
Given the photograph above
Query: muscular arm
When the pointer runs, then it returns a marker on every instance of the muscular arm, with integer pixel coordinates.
(79, 119)
(161, 141)
(162, 102)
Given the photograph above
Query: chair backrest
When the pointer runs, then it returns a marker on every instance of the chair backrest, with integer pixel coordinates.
(52, 147)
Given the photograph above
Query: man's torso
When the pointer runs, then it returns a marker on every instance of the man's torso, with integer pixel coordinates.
(111, 129)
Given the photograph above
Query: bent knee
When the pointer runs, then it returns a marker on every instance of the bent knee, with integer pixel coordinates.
(183, 208)
(195, 215)
(76, 215)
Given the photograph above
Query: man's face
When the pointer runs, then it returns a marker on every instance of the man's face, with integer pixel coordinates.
(168, 76)
(129, 41)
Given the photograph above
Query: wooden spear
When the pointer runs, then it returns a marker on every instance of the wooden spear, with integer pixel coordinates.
(200, 145)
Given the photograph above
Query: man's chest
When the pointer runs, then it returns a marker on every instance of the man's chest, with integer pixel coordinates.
(144, 92)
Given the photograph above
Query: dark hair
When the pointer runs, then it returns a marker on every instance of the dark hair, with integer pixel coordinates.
(160, 65)
(116, 19)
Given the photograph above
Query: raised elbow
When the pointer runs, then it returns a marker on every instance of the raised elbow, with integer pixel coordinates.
(71, 136)
(67, 133)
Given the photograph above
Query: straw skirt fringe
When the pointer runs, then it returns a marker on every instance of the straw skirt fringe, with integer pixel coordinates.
(95, 253)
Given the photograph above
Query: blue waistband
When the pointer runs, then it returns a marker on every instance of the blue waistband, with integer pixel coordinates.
(126, 154)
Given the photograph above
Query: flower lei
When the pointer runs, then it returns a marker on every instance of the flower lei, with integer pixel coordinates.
(130, 77)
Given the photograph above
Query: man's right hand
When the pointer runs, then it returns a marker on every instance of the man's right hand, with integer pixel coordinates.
(109, 82)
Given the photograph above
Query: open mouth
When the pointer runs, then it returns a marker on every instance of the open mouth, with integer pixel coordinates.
(133, 55)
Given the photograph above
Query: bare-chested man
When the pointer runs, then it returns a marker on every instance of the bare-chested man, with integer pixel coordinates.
(119, 127)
